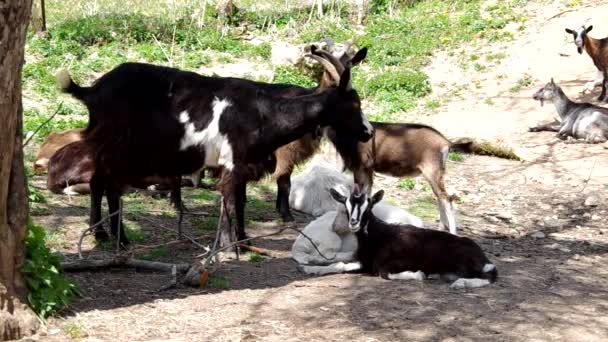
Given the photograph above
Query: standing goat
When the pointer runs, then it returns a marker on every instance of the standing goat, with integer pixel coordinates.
(403, 252)
(397, 149)
(578, 120)
(597, 49)
(147, 120)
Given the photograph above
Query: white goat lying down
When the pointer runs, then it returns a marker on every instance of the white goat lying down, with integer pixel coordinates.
(404, 252)
(333, 238)
(310, 189)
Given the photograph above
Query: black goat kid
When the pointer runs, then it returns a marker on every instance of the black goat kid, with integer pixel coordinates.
(147, 120)
(407, 252)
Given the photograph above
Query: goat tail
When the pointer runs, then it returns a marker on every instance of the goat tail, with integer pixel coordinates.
(489, 272)
(67, 85)
(463, 145)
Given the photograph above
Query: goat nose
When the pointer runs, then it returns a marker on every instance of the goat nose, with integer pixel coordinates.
(354, 221)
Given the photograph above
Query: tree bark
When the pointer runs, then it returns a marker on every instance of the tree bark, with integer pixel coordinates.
(16, 319)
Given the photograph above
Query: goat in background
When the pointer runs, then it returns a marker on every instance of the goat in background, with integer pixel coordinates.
(597, 49)
(578, 120)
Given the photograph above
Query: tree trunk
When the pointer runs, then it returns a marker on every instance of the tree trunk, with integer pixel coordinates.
(16, 319)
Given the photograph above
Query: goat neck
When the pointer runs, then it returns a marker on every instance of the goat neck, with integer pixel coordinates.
(562, 103)
(592, 47)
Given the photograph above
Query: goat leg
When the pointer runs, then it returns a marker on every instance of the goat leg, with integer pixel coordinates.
(603, 97)
(117, 227)
(283, 189)
(550, 127)
(240, 200)
(97, 184)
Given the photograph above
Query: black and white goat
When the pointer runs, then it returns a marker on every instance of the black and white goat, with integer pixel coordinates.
(332, 237)
(403, 252)
(148, 120)
(583, 121)
(597, 49)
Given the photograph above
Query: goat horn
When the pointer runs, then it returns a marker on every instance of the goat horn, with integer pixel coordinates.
(332, 59)
(328, 66)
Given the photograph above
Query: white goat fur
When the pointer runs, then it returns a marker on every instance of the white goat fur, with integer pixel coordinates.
(335, 241)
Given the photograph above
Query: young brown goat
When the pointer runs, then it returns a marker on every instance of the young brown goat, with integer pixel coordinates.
(52, 143)
(597, 49)
(397, 149)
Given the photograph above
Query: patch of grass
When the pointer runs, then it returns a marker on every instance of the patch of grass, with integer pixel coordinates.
(133, 231)
(523, 82)
(456, 156)
(292, 75)
(205, 224)
(156, 253)
(74, 330)
(488, 101)
(48, 289)
(425, 207)
(496, 57)
(432, 104)
(218, 282)
(255, 257)
(495, 150)
(479, 67)
(407, 183)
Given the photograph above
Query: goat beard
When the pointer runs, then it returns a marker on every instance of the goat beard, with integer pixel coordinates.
(579, 49)
(542, 102)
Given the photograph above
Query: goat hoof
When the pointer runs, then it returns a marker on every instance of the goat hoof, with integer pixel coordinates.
(101, 235)
(288, 218)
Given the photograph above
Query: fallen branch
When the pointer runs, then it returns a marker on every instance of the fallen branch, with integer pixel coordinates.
(261, 251)
(122, 261)
(198, 274)
(42, 125)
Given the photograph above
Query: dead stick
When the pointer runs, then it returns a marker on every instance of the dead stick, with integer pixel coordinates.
(42, 125)
(122, 261)
(260, 250)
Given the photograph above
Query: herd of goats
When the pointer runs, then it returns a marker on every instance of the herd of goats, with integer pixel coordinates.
(152, 124)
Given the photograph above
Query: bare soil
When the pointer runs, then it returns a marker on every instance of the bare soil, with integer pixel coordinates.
(551, 288)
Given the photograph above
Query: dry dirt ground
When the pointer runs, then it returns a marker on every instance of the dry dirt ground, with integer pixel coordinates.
(552, 287)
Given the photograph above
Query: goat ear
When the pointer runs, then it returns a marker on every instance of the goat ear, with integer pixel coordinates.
(359, 56)
(345, 80)
(377, 197)
(552, 81)
(569, 31)
(313, 49)
(337, 196)
(589, 28)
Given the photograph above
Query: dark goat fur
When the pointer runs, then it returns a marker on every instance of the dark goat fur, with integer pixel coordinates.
(391, 249)
(135, 123)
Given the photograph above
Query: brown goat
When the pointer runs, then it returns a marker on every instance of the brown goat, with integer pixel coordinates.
(299, 151)
(52, 143)
(597, 49)
(400, 150)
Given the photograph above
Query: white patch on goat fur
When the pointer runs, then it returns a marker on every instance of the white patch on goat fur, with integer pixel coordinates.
(488, 267)
(406, 275)
(464, 283)
(584, 123)
(218, 151)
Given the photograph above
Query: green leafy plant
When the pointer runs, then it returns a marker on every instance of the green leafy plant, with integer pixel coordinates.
(407, 183)
(48, 289)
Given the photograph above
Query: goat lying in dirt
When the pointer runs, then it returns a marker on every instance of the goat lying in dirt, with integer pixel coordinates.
(404, 252)
(53, 142)
(331, 235)
(578, 120)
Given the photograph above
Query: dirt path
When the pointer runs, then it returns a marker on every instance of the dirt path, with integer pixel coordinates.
(552, 287)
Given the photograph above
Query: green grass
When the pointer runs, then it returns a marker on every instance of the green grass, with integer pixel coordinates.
(74, 330)
(456, 156)
(156, 253)
(425, 207)
(255, 257)
(523, 82)
(90, 39)
(407, 183)
(218, 282)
